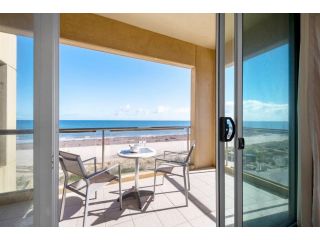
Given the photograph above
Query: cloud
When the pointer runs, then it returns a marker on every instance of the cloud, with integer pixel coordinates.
(229, 108)
(162, 109)
(128, 112)
(254, 110)
(183, 110)
(141, 111)
(161, 112)
(125, 108)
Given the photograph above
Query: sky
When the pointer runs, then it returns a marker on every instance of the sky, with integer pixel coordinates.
(99, 86)
(265, 86)
(24, 78)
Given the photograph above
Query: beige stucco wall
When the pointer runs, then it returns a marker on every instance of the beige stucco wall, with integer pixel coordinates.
(7, 111)
(99, 33)
(203, 108)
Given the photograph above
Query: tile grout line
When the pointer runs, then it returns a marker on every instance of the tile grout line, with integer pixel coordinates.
(174, 205)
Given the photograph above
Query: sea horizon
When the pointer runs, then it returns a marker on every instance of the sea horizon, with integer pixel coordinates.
(28, 124)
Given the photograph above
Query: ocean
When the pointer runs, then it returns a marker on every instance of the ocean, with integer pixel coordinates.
(274, 125)
(28, 124)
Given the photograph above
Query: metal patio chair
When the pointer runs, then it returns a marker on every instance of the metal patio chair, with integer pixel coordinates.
(87, 182)
(171, 160)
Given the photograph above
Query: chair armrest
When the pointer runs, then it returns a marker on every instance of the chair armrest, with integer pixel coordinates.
(105, 170)
(157, 159)
(95, 162)
(184, 152)
(114, 166)
(175, 153)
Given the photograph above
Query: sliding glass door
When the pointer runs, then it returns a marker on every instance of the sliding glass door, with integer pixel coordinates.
(262, 81)
(16, 121)
(268, 120)
(226, 145)
(28, 119)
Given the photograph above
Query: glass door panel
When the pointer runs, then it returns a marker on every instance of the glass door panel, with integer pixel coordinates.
(229, 112)
(16, 120)
(226, 125)
(267, 81)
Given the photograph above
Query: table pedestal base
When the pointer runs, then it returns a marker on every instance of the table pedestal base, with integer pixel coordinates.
(134, 193)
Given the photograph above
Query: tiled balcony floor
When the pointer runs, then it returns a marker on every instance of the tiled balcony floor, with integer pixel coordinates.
(16, 214)
(168, 208)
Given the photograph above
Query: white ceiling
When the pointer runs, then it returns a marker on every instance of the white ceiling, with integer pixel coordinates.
(196, 28)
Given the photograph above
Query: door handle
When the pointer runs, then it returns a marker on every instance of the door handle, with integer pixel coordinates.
(224, 129)
(241, 143)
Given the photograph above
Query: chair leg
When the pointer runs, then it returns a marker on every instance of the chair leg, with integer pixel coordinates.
(63, 203)
(154, 184)
(95, 195)
(163, 178)
(185, 185)
(154, 179)
(86, 207)
(188, 173)
(120, 193)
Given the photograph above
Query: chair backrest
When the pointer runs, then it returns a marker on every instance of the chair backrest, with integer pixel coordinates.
(72, 163)
(188, 158)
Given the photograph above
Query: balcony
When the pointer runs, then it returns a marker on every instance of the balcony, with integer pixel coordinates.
(168, 208)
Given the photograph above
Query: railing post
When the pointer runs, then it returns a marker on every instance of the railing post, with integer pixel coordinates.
(188, 141)
(102, 143)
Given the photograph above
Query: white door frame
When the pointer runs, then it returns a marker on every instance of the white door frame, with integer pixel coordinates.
(46, 119)
(220, 105)
(238, 117)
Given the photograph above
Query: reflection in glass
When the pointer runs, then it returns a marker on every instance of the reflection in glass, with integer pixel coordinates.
(229, 112)
(16, 108)
(266, 119)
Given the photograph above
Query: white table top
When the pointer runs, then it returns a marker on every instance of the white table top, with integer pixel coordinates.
(144, 152)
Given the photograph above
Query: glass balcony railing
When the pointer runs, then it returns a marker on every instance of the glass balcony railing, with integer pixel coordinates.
(264, 161)
(16, 160)
(104, 143)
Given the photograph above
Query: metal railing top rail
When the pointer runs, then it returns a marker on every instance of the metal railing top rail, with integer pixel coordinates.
(15, 131)
(123, 129)
(79, 130)
(103, 130)
(119, 129)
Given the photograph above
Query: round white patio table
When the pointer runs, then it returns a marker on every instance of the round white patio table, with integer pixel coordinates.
(144, 152)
